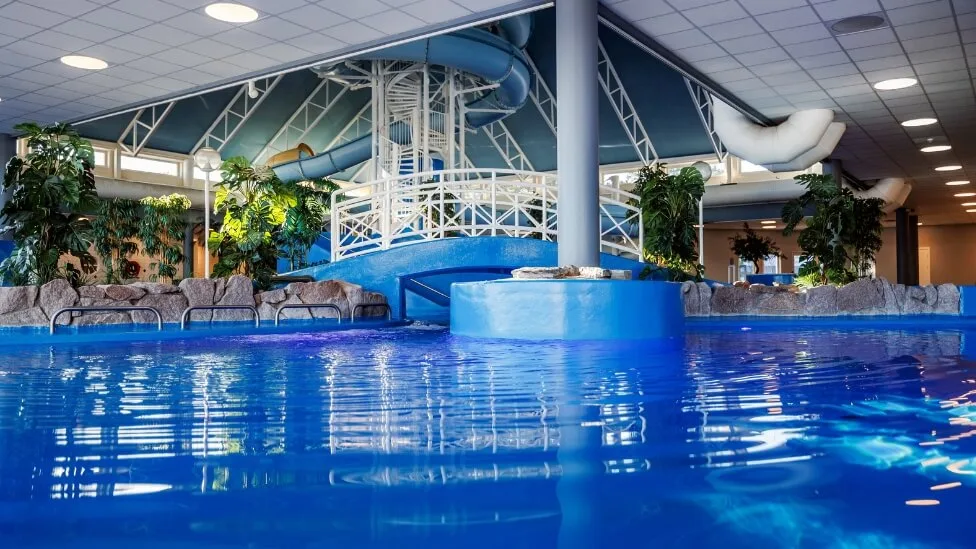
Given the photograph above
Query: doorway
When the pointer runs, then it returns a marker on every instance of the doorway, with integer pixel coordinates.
(924, 267)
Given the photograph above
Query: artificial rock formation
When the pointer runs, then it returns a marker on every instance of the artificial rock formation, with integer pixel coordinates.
(34, 306)
(862, 297)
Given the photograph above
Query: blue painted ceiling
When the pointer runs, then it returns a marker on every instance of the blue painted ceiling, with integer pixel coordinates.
(658, 93)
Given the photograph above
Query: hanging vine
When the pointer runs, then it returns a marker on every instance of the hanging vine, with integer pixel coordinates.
(114, 228)
(161, 232)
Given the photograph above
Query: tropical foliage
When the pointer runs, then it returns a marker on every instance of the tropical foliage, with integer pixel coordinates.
(255, 203)
(669, 207)
(114, 228)
(161, 231)
(842, 237)
(48, 187)
(752, 247)
(304, 222)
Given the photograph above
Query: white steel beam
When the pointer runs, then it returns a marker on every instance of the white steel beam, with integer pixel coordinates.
(622, 106)
(542, 96)
(703, 103)
(139, 131)
(237, 112)
(360, 125)
(305, 118)
(507, 146)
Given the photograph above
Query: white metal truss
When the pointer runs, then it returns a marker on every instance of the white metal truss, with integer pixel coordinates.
(304, 120)
(703, 103)
(237, 112)
(508, 147)
(542, 96)
(624, 109)
(138, 132)
(360, 125)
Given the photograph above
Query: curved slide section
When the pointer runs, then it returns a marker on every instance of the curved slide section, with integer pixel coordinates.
(490, 57)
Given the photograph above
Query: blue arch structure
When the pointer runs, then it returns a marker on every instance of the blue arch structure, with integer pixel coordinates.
(437, 263)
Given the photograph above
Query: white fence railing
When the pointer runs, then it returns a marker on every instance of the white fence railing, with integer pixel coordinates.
(399, 211)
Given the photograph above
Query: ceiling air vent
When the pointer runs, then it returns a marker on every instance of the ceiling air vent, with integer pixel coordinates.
(858, 23)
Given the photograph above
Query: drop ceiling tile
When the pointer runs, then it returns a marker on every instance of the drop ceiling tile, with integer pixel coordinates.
(159, 10)
(156, 66)
(392, 22)
(701, 53)
(718, 66)
(805, 96)
(967, 21)
(841, 81)
(968, 36)
(168, 35)
(61, 93)
(32, 15)
(274, 7)
(364, 8)
(834, 70)
(24, 61)
(119, 20)
(894, 4)
(7, 69)
(964, 6)
(60, 40)
(868, 38)
(745, 85)
(759, 7)
(788, 18)
(760, 57)
(816, 47)
(198, 24)
(712, 14)
(211, 48)
(875, 52)
(11, 28)
(182, 57)
(23, 47)
(824, 60)
(222, 69)
(167, 84)
(926, 28)
(919, 12)
(749, 43)
(130, 74)
(242, 38)
(282, 53)
(193, 77)
(683, 4)
(72, 8)
(958, 85)
(788, 90)
(314, 17)
(685, 39)
(941, 54)
(733, 29)
(940, 77)
(732, 75)
(941, 66)
(321, 43)
(637, 10)
(436, 11)
(856, 90)
(136, 44)
(760, 93)
(251, 60)
(787, 78)
(805, 33)
(895, 61)
(779, 67)
(194, 4)
(122, 97)
(930, 43)
(664, 24)
(40, 78)
(838, 9)
(82, 87)
(276, 28)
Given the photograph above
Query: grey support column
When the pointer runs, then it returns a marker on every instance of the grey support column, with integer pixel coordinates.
(906, 246)
(8, 149)
(578, 133)
(188, 249)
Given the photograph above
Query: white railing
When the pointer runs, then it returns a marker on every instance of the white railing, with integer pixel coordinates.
(399, 211)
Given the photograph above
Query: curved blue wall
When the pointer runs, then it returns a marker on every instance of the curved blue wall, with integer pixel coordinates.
(569, 310)
(380, 271)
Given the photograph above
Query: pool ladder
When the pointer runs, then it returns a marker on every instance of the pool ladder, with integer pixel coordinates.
(59, 312)
(186, 314)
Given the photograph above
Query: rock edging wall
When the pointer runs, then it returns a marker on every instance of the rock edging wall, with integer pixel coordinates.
(34, 305)
(863, 297)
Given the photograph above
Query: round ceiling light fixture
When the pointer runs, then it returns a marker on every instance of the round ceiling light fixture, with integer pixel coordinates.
(768, 222)
(970, 211)
(858, 23)
(231, 13)
(957, 183)
(895, 84)
(916, 122)
(84, 62)
(963, 195)
(936, 148)
(952, 168)
(968, 204)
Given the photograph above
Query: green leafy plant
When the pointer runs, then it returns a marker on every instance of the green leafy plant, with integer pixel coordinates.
(255, 203)
(752, 247)
(842, 237)
(48, 188)
(669, 207)
(304, 222)
(114, 228)
(161, 232)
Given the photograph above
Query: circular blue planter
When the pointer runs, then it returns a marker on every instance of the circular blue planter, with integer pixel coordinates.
(569, 310)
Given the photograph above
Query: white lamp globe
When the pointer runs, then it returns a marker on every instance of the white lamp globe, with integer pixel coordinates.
(207, 159)
(704, 169)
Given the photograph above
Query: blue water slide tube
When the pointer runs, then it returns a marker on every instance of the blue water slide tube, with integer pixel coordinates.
(493, 59)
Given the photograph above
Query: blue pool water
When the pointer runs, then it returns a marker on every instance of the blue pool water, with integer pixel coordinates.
(410, 437)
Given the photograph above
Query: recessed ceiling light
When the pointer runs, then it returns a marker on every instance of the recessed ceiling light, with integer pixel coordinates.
(919, 223)
(895, 84)
(956, 183)
(858, 23)
(768, 222)
(935, 148)
(968, 204)
(970, 211)
(84, 62)
(948, 168)
(231, 13)
(919, 122)
(964, 195)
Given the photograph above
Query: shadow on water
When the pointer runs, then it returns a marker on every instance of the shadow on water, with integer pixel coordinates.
(413, 437)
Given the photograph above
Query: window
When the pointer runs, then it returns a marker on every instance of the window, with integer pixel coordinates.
(770, 266)
(748, 167)
(151, 165)
(201, 175)
(101, 158)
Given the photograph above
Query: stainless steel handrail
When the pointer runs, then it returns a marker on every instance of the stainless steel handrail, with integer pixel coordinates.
(389, 311)
(308, 306)
(59, 312)
(186, 313)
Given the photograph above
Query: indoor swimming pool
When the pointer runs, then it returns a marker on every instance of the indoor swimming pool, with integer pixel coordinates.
(409, 437)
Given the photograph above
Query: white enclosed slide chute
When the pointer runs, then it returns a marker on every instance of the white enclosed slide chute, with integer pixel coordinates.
(805, 138)
(893, 190)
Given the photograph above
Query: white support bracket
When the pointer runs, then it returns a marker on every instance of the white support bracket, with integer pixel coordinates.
(542, 96)
(703, 103)
(237, 112)
(508, 147)
(138, 132)
(304, 120)
(622, 106)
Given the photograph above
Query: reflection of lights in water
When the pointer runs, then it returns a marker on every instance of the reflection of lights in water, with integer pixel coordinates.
(922, 502)
(945, 486)
(962, 467)
(935, 461)
(468, 519)
(778, 477)
(134, 489)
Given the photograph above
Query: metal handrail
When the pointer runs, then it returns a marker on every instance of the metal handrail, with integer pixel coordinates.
(59, 312)
(308, 306)
(186, 313)
(389, 311)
